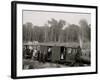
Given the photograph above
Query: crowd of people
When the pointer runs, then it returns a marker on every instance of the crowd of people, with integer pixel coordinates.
(36, 54)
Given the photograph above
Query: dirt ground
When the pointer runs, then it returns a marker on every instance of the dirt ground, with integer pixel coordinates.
(33, 64)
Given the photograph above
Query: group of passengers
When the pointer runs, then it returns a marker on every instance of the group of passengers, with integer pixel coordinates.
(36, 54)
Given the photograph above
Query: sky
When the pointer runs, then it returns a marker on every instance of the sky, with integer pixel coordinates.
(41, 18)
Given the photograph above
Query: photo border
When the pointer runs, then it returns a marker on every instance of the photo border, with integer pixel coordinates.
(14, 38)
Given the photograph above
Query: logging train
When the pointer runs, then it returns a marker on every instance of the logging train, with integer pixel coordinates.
(61, 53)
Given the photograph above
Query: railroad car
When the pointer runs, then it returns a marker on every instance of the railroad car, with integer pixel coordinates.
(62, 53)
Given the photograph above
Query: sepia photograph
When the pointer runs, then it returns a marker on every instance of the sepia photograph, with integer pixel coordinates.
(56, 39)
(53, 39)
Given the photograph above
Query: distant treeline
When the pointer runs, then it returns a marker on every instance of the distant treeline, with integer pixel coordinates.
(57, 31)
